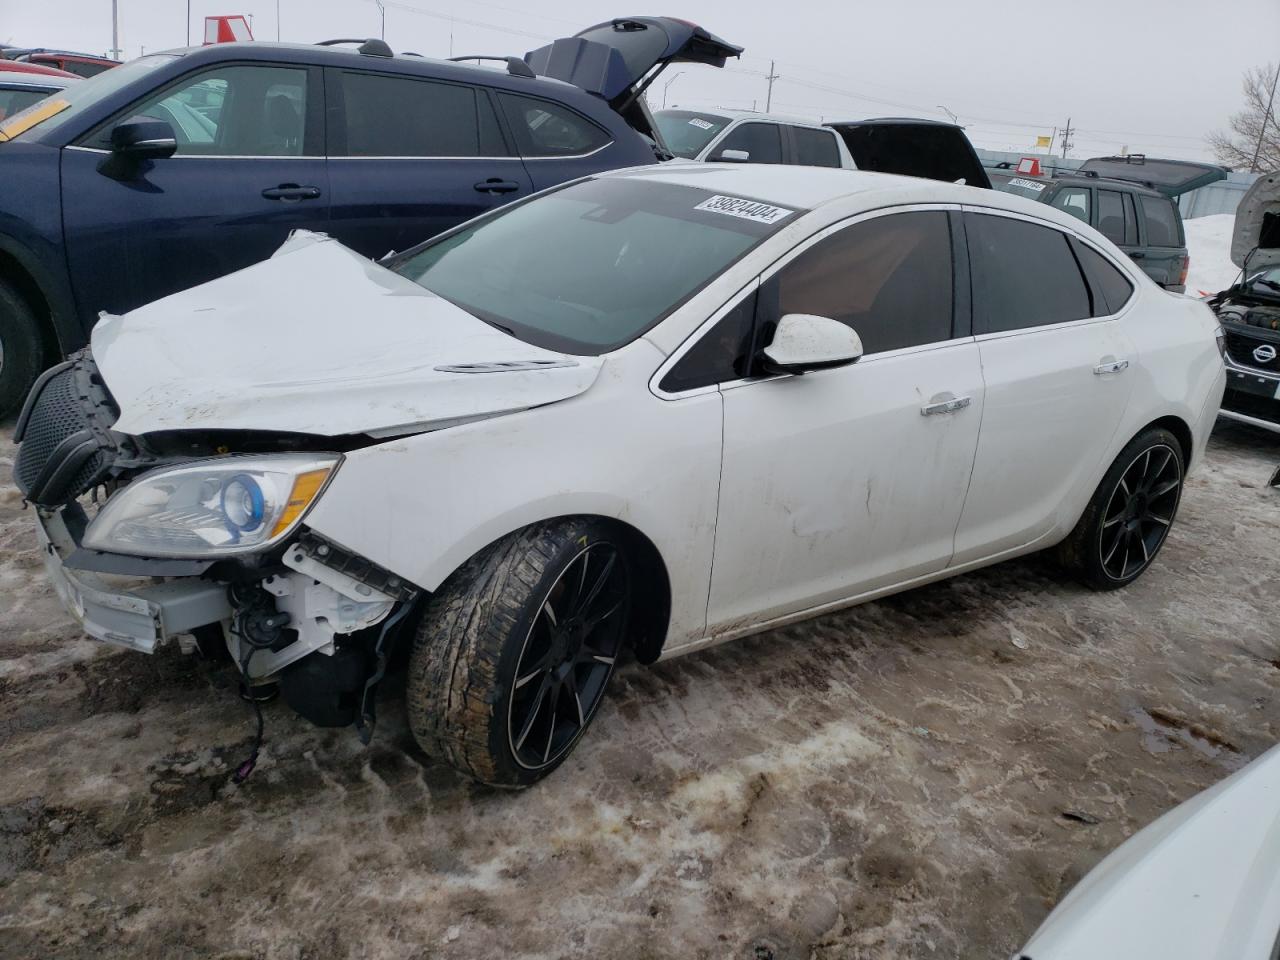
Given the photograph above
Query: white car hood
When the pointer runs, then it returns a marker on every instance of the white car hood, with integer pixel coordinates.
(320, 340)
(1261, 205)
(1201, 883)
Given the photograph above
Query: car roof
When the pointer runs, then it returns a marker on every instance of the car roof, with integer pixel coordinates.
(813, 187)
(35, 69)
(749, 115)
(1078, 180)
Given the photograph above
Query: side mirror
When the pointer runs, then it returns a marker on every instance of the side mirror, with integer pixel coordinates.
(733, 156)
(804, 342)
(142, 138)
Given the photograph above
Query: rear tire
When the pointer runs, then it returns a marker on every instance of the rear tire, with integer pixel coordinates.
(21, 352)
(1128, 519)
(515, 651)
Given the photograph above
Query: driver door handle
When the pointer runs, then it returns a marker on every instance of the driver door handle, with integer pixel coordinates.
(291, 193)
(497, 185)
(950, 405)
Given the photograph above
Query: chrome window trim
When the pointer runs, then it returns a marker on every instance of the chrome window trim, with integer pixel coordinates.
(210, 156)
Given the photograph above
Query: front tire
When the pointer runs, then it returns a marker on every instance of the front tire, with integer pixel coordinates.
(512, 658)
(21, 353)
(1128, 519)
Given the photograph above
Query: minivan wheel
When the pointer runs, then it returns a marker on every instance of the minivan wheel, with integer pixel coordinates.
(1129, 517)
(514, 653)
(21, 354)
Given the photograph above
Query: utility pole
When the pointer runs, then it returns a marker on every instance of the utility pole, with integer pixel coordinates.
(768, 100)
(277, 20)
(115, 30)
(1066, 139)
(1257, 152)
(188, 23)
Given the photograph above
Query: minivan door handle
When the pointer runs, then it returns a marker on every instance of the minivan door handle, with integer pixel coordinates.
(291, 193)
(1110, 365)
(497, 185)
(944, 403)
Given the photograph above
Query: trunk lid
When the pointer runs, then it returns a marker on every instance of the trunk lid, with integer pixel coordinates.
(1257, 230)
(618, 59)
(319, 340)
(913, 148)
(1171, 177)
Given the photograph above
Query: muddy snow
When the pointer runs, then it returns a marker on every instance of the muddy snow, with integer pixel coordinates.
(920, 777)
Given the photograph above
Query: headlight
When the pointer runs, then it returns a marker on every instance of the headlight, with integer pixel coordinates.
(211, 507)
(1220, 336)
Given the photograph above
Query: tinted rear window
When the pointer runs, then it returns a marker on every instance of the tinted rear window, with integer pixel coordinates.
(1111, 288)
(546, 129)
(403, 117)
(815, 148)
(1024, 275)
(1162, 222)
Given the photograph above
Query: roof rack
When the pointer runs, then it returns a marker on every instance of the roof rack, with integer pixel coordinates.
(515, 66)
(370, 46)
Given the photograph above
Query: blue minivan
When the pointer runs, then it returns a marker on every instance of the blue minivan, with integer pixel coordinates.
(180, 167)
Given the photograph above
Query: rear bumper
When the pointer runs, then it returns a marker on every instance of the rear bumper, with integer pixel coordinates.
(140, 618)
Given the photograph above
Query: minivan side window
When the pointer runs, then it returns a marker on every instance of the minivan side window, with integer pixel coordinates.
(889, 278)
(389, 116)
(545, 129)
(1024, 275)
(762, 141)
(1162, 222)
(815, 148)
(236, 111)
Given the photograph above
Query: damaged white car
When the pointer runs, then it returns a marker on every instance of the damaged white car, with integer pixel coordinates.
(647, 411)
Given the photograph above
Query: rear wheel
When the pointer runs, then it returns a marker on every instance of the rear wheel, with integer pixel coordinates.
(1129, 517)
(513, 656)
(21, 354)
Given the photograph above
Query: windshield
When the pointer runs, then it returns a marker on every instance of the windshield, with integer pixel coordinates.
(591, 267)
(79, 97)
(686, 132)
(1031, 189)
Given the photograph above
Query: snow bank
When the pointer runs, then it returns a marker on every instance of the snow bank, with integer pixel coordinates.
(1209, 243)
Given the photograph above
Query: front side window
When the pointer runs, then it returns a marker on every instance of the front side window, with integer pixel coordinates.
(1162, 222)
(889, 278)
(686, 132)
(405, 117)
(234, 112)
(590, 267)
(1074, 200)
(546, 129)
(1024, 275)
(815, 148)
(762, 142)
(82, 96)
(722, 354)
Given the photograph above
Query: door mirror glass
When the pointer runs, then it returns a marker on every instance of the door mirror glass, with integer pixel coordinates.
(805, 342)
(143, 138)
(733, 156)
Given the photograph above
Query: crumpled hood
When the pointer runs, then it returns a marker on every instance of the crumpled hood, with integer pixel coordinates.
(1258, 225)
(1201, 883)
(320, 340)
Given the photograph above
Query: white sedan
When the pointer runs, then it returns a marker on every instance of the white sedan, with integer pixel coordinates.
(650, 411)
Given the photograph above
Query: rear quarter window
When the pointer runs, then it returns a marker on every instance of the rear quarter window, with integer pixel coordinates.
(546, 129)
(1162, 222)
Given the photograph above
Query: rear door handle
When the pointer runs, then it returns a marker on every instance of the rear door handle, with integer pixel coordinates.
(950, 405)
(291, 192)
(1137, 255)
(497, 185)
(1111, 366)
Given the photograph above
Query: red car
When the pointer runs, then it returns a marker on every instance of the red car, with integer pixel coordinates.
(80, 64)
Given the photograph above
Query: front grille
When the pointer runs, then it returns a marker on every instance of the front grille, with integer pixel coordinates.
(1240, 347)
(1251, 405)
(65, 444)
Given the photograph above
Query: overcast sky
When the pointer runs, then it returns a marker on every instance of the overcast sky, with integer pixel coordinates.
(1153, 76)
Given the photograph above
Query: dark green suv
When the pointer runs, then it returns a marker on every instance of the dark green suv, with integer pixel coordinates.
(1129, 200)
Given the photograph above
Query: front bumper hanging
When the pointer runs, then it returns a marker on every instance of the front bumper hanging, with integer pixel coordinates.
(139, 618)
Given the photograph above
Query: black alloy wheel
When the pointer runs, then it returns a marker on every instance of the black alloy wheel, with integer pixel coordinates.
(568, 656)
(1140, 511)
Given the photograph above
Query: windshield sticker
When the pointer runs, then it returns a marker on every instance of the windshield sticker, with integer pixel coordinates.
(745, 209)
(24, 120)
(701, 124)
(1027, 184)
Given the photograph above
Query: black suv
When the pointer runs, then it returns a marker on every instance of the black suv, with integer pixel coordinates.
(1129, 200)
(179, 167)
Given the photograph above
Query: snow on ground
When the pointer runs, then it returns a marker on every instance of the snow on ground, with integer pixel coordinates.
(1209, 243)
